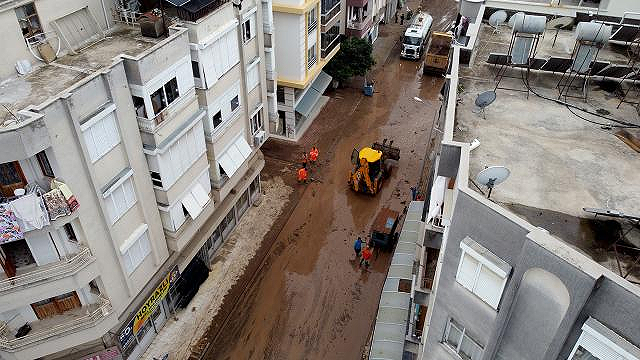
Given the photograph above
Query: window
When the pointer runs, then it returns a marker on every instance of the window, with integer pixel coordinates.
(138, 104)
(229, 222)
(220, 57)
(100, 134)
(311, 56)
(217, 119)
(598, 342)
(312, 20)
(137, 251)
(71, 234)
(254, 187)
(195, 68)
(481, 272)
(247, 32)
(156, 179)
(180, 155)
(164, 96)
(253, 75)
(171, 89)
(256, 122)
(280, 94)
(45, 166)
(120, 199)
(456, 338)
(28, 20)
(195, 200)
(235, 102)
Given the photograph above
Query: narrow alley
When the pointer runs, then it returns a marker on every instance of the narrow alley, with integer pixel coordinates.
(307, 298)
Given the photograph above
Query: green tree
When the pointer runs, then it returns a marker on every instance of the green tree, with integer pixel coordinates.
(354, 59)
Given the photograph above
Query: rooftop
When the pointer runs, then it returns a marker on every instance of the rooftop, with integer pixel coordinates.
(559, 162)
(47, 80)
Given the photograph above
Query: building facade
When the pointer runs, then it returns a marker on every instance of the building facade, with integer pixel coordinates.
(299, 61)
(127, 160)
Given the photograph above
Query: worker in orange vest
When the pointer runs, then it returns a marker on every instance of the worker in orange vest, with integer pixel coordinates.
(313, 155)
(302, 175)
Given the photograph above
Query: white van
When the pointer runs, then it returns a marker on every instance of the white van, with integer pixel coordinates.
(415, 37)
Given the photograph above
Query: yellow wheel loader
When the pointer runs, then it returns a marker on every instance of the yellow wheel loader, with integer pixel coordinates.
(371, 166)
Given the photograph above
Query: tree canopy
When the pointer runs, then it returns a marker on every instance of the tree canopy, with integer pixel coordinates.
(354, 59)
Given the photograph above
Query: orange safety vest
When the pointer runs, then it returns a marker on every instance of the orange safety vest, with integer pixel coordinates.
(313, 154)
(302, 174)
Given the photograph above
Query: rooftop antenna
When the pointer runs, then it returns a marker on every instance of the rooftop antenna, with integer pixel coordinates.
(590, 38)
(525, 37)
(492, 176)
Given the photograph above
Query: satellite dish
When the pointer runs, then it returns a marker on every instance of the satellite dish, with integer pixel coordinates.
(512, 19)
(492, 176)
(560, 22)
(497, 18)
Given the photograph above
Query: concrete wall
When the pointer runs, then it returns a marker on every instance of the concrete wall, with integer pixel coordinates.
(48, 10)
(290, 46)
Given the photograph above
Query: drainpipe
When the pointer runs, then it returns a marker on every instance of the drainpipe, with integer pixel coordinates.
(104, 11)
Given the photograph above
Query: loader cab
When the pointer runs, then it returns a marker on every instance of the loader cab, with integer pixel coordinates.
(373, 159)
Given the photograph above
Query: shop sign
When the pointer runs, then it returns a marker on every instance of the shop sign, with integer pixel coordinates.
(148, 307)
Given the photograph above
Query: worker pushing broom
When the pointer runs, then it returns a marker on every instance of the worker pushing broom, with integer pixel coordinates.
(308, 161)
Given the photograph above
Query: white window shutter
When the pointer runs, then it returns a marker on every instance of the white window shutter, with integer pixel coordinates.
(489, 286)
(91, 145)
(467, 271)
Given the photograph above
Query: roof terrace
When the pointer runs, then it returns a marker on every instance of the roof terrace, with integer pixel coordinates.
(48, 80)
(561, 160)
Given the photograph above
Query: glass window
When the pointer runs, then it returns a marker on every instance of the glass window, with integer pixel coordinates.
(195, 67)
(171, 90)
(235, 102)
(280, 94)
(479, 275)
(71, 234)
(28, 20)
(156, 179)
(256, 122)
(246, 30)
(138, 104)
(157, 101)
(217, 119)
(45, 166)
(456, 338)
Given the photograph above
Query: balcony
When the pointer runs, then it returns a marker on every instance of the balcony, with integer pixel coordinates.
(76, 326)
(357, 3)
(327, 16)
(196, 9)
(329, 42)
(358, 28)
(68, 266)
(150, 125)
(312, 26)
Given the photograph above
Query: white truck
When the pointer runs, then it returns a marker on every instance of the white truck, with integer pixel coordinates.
(415, 37)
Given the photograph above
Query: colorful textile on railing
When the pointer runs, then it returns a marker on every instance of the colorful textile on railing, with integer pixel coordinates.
(9, 228)
(66, 192)
(30, 211)
(56, 204)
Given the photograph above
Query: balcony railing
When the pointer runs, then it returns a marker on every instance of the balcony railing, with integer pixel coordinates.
(363, 24)
(90, 319)
(312, 61)
(332, 43)
(327, 16)
(150, 125)
(57, 270)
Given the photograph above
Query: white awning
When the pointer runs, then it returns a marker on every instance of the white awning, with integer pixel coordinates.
(193, 207)
(236, 154)
(201, 196)
(436, 198)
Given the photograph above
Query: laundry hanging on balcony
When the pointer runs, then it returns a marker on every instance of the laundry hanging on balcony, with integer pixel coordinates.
(56, 204)
(9, 228)
(66, 192)
(30, 211)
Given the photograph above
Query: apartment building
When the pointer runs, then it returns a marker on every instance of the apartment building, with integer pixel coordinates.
(299, 61)
(126, 162)
(495, 278)
(363, 17)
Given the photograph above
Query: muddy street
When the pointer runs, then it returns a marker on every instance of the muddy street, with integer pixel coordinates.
(309, 299)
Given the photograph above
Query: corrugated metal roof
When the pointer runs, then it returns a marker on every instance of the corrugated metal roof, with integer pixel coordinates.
(393, 312)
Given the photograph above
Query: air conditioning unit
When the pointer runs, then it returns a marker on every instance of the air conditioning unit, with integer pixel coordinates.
(259, 138)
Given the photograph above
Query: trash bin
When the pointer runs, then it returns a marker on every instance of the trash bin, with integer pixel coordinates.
(368, 89)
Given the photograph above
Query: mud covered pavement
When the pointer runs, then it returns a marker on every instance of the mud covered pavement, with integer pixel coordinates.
(307, 298)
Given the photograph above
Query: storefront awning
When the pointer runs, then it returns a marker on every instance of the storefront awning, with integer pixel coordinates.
(232, 158)
(308, 101)
(321, 83)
